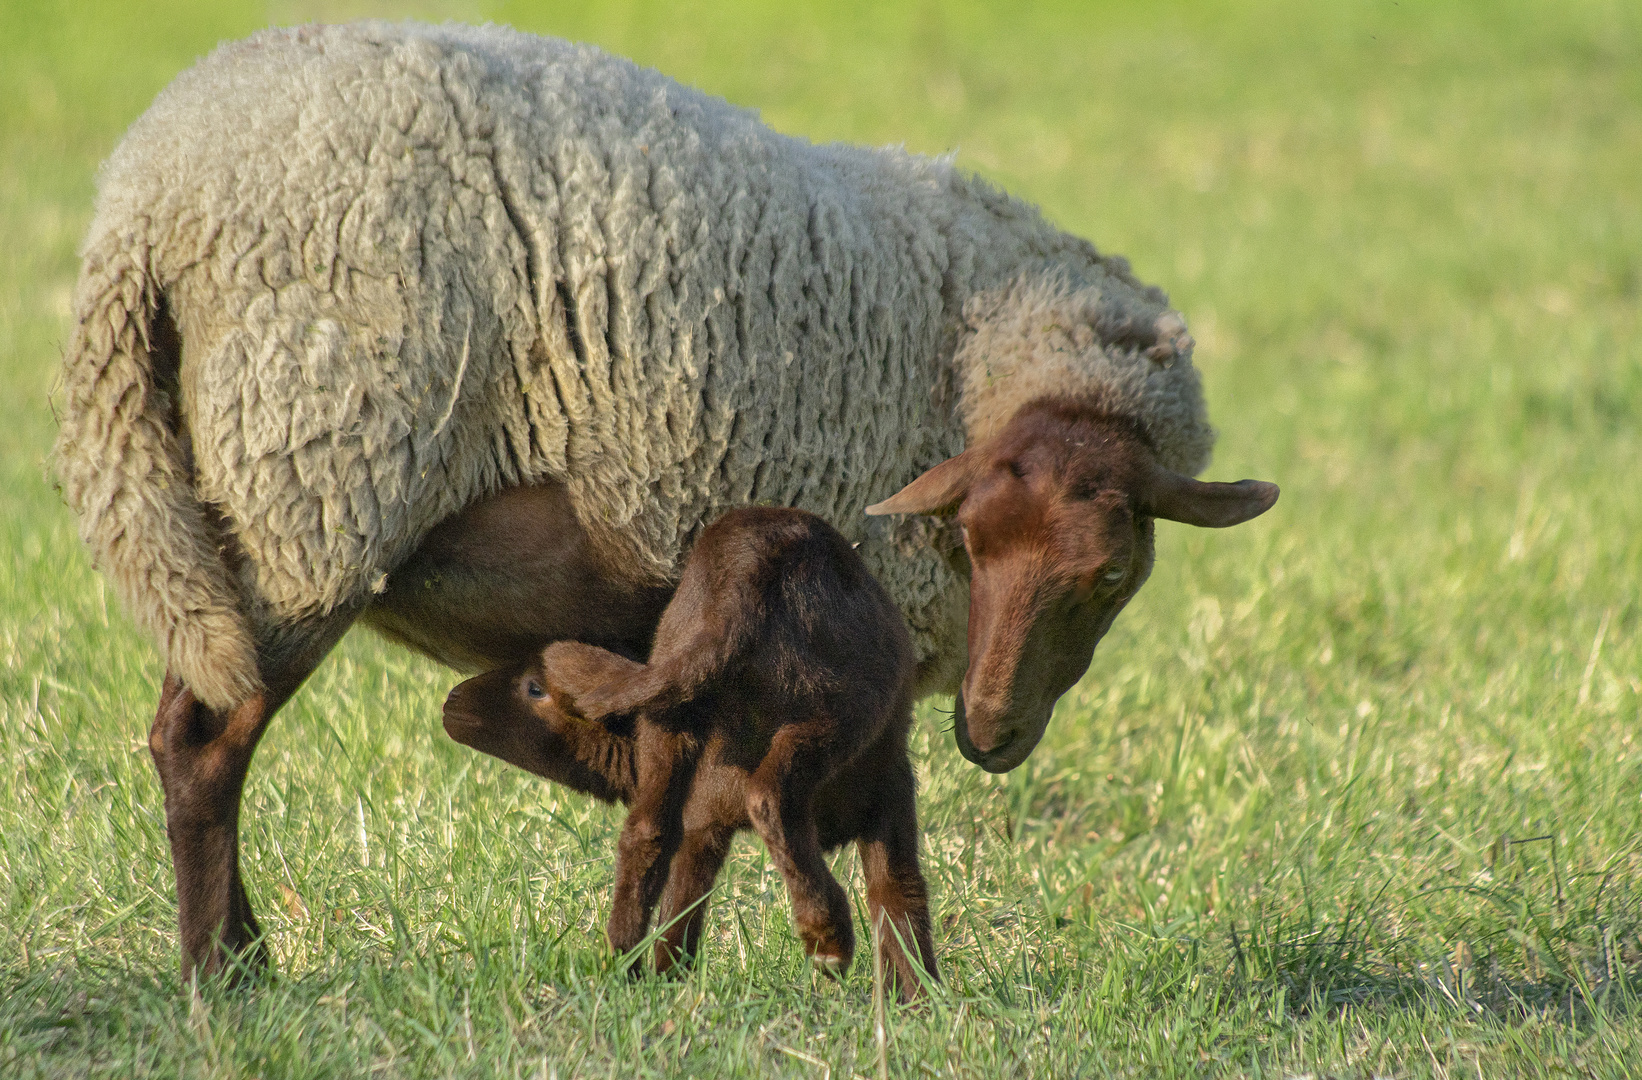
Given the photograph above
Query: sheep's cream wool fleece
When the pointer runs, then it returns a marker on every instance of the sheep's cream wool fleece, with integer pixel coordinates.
(409, 266)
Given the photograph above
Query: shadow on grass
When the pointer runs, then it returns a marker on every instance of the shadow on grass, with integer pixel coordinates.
(1519, 959)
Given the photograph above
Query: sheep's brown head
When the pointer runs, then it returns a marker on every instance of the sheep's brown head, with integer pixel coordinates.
(1056, 512)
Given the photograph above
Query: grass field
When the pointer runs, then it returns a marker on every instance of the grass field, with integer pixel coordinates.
(1354, 790)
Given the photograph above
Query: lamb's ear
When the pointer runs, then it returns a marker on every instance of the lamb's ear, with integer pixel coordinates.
(1174, 497)
(579, 676)
(938, 491)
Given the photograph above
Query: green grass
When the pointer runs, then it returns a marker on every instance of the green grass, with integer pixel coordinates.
(1354, 790)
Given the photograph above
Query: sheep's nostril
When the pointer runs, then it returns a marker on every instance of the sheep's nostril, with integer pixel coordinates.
(1000, 741)
(989, 739)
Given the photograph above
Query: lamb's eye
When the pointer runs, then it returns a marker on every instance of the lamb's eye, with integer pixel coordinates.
(533, 689)
(1115, 575)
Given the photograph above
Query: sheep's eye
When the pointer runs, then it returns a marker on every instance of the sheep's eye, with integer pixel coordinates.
(533, 689)
(1115, 575)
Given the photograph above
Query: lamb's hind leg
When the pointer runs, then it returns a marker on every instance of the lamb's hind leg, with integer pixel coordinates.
(897, 898)
(781, 804)
(202, 757)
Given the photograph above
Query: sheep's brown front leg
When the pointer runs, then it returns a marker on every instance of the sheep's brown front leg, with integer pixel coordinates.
(666, 765)
(780, 802)
(684, 905)
(897, 898)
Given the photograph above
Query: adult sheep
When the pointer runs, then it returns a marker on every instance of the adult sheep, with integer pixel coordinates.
(411, 322)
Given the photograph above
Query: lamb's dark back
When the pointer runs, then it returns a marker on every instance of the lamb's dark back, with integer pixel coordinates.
(775, 615)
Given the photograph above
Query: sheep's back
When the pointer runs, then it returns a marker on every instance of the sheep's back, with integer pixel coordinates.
(412, 265)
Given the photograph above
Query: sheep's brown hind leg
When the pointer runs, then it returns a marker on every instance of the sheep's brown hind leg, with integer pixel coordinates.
(666, 765)
(897, 898)
(684, 905)
(780, 802)
(202, 757)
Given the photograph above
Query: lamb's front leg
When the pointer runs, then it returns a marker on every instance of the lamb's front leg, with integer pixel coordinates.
(683, 911)
(666, 763)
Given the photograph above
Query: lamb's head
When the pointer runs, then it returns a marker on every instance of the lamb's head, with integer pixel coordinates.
(504, 713)
(1056, 513)
(510, 713)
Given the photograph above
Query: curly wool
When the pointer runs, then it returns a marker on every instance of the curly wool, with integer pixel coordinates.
(410, 266)
(1130, 355)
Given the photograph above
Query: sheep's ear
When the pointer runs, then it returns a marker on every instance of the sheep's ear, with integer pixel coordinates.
(938, 491)
(1174, 497)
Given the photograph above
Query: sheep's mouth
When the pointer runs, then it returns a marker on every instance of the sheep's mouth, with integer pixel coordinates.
(1001, 758)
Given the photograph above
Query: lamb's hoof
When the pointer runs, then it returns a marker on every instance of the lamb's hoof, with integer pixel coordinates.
(831, 965)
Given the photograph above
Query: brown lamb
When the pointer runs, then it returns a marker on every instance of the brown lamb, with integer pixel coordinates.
(777, 697)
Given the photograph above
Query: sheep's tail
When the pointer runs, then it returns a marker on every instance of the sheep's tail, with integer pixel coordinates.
(125, 468)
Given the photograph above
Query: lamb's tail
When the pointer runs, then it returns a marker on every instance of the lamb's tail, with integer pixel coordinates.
(124, 464)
